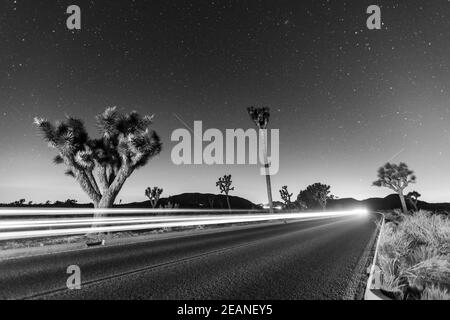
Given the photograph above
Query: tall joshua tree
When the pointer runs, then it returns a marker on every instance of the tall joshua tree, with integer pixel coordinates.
(397, 178)
(101, 166)
(260, 116)
(286, 196)
(153, 194)
(413, 198)
(224, 184)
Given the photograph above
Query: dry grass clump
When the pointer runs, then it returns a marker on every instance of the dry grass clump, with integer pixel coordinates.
(414, 256)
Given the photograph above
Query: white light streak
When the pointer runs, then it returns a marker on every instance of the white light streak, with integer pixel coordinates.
(64, 226)
(58, 212)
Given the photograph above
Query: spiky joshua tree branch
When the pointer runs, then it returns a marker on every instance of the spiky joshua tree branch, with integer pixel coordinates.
(101, 166)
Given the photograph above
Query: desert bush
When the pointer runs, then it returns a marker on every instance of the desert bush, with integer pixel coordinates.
(394, 216)
(435, 293)
(414, 256)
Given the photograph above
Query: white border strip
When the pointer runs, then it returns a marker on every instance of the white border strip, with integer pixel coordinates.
(369, 295)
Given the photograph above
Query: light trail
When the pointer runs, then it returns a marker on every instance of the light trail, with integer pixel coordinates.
(59, 212)
(139, 223)
(19, 224)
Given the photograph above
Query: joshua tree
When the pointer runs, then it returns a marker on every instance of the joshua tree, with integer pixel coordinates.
(153, 195)
(260, 116)
(397, 178)
(170, 205)
(320, 193)
(305, 200)
(224, 184)
(315, 195)
(71, 202)
(101, 166)
(20, 202)
(285, 196)
(413, 198)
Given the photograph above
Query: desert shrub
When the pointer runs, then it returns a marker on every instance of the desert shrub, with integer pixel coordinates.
(435, 293)
(394, 216)
(414, 256)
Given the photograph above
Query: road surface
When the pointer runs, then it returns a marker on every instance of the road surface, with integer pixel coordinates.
(313, 259)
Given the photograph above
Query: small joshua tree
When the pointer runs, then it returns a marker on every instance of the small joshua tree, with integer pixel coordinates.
(397, 178)
(71, 202)
(101, 166)
(153, 194)
(286, 196)
(224, 184)
(170, 205)
(260, 116)
(20, 202)
(413, 198)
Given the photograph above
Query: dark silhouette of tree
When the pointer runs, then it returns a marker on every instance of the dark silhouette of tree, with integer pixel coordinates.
(224, 184)
(170, 205)
(397, 178)
(260, 116)
(30, 203)
(211, 201)
(71, 202)
(314, 196)
(153, 194)
(306, 200)
(286, 197)
(101, 166)
(19, 203)
(300, 204)
(413, 198)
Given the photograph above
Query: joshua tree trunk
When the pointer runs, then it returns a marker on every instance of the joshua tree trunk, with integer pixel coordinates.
(106, 202)
(323, 205)
(414, 204)
(402, 200)
(266, 166)
(228, 203)
(110, 193)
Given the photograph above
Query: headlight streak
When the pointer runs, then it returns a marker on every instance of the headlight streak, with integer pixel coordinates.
(60, 212)
(113, 224)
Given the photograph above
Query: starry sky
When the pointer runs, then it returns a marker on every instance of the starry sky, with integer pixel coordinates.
(346, 99)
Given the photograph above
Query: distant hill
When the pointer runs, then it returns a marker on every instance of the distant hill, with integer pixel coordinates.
(184, 200)
(218, 201)
(390, 202)
(198, 201)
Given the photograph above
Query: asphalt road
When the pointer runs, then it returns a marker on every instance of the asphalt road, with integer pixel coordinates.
(315, 259)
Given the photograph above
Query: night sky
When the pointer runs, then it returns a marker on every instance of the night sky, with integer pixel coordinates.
(346, 99)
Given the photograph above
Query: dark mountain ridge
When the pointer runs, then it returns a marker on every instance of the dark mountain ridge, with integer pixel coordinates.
(218, 201)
